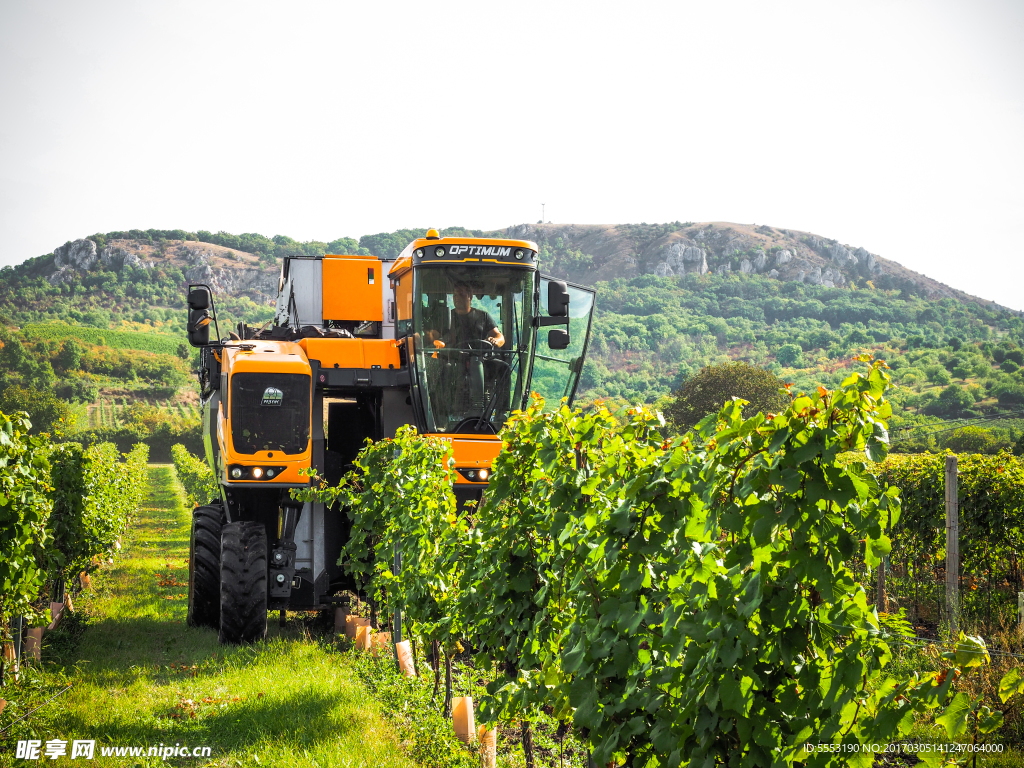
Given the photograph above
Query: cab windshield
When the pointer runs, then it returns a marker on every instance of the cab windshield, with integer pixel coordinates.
(472, 336)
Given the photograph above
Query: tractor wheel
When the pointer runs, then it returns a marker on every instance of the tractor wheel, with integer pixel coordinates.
(204, 568)
(243, 583)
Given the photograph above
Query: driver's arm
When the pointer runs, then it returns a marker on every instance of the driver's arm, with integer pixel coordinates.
(496, 338)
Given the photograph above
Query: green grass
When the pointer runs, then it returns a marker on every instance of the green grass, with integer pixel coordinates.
(141, 677)
(151, 341)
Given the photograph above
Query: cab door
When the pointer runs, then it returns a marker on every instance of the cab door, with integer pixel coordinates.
(555, 373)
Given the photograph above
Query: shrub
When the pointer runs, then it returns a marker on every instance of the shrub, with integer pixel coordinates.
(938, 375)
(46, 413)
(975, 440)
(952, 402)
(789, 355)
(709, 389)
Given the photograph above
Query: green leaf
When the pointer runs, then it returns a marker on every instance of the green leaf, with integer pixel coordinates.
(877, 549)
(1011, 684)
(955, 718)
(735, 694)
(588, 713)
(971, 651)
(991, 722)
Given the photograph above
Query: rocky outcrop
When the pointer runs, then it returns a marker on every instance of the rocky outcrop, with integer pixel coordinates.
(520, 232)
(63, 275)
(841, 256)
(75, 258)
(114, 257)
(868, 258)
(78, 254)
(261, 285)
(681, 258)
(783, 257)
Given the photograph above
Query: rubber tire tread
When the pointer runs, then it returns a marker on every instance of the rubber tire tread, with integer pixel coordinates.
(243, 582)
(204, 568)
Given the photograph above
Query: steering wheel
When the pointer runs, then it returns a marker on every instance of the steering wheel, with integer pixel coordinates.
(482, 347)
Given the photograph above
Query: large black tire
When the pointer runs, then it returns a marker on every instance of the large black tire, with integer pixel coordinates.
(204, 568)
(243, 583)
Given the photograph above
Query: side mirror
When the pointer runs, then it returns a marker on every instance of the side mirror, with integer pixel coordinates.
(199, 327)
(199, 298)
(558, 339)
(558, 300)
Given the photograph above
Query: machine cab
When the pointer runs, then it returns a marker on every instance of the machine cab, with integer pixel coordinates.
(470, 314)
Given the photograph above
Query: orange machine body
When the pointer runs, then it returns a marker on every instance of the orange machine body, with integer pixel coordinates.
(352, 288)
(260, 357)
(477, 249)
(472, 454)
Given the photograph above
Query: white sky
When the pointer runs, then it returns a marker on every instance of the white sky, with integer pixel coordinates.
(896, 126)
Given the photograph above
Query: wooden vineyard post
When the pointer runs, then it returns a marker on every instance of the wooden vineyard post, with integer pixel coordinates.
(881, 602)
(1020, 608)
(881, 597)
(952, 548)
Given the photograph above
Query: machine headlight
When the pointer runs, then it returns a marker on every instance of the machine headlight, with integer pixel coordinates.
(270, 473)
(483, 474)
(519, 254)
(439, 251)
(257, 472)
(419, 253)
(236, 473)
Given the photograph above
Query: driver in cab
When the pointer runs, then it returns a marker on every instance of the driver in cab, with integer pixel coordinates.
(468, 324)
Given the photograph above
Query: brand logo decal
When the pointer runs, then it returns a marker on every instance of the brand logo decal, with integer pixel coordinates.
(480, 250)
(272, 396)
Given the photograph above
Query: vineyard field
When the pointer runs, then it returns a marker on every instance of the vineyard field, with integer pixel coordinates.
(141, 677)
(149, 342)
(107, 412)
(662, 596)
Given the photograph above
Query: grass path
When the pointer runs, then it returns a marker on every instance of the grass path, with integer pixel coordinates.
(144, 678)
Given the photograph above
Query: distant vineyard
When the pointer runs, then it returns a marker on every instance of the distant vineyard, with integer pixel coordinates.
(148, 342)
(107, 412)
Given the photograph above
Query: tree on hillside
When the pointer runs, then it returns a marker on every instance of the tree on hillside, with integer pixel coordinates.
(789, 355)
(70, 356)
(46, 412)
(975, 440)
(710, 388)
(952, 403)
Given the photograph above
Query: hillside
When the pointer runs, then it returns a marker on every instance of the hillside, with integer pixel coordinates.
(593, 253)
(672, 298)
(246, 266)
